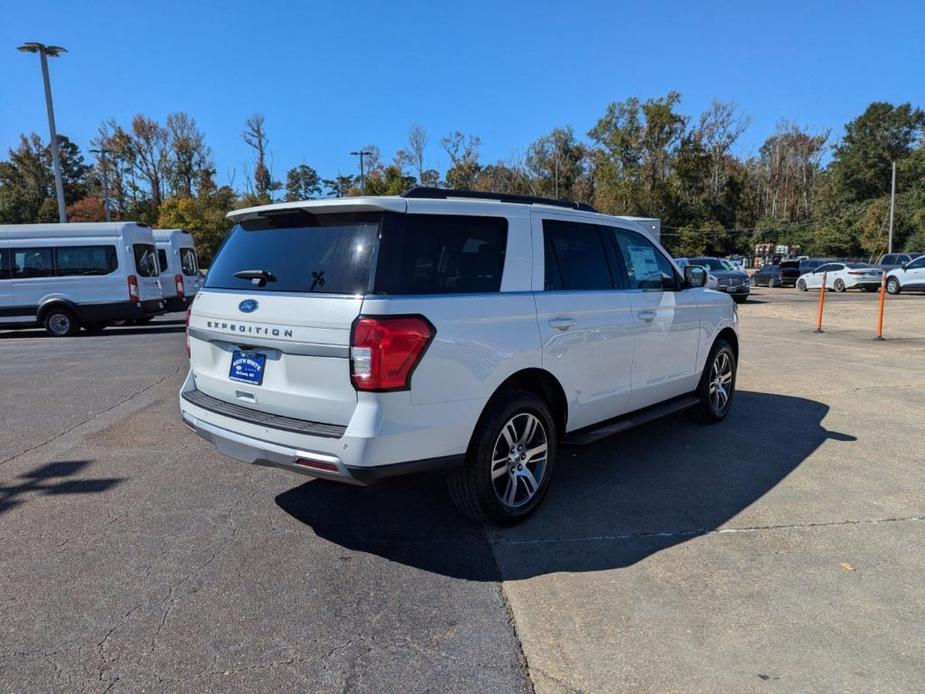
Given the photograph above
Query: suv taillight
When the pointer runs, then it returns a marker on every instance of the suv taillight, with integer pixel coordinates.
(179, 282)
(384, 350)
(133, 295)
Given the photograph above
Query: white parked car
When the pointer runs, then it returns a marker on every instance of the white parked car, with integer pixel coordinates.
(179, 266)
(841, 277)
(910, 276)
(359, 338)
(68, 276)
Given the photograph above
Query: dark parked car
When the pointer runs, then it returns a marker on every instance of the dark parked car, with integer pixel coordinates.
(735, 283)
(891, 261)
(768, 276)
(790, 271)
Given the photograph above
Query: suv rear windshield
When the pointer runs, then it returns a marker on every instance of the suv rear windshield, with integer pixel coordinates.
(299, 252)
(334, 254)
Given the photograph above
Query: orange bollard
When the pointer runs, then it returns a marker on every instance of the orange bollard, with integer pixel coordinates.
(821, 302)
(880, 311)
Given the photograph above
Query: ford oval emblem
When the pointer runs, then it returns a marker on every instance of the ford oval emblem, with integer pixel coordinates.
(247, 306)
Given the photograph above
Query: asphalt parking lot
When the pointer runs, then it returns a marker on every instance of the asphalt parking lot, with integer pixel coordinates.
(779, 551)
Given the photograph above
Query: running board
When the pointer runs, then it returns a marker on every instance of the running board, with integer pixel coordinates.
(596, 432)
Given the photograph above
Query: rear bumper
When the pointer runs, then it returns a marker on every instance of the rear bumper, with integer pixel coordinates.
(312, 463)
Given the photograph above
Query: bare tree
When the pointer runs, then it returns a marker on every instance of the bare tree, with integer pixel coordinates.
(255, 136)
(417, 141)
(720, 127)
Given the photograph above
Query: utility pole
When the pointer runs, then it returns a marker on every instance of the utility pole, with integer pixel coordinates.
(102, 154)
(53, 51)
(889, 247)
(361, 153)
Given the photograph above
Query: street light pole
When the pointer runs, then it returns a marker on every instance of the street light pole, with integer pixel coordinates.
(362, 154)
(53, 51)
(889, 248)
(102, 152)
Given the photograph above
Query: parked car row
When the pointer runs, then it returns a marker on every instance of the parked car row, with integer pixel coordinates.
(89, 275)
(904, 272)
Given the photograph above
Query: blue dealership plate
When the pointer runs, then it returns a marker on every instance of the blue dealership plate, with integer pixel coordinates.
(247, 367)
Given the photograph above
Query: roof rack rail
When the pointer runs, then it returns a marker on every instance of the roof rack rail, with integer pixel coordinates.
(430, 193)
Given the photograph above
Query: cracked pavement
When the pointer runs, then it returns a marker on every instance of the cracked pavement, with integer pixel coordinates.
(782, 549)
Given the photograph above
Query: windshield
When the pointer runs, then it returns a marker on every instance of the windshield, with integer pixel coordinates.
(145, 260)
(298, 252)
(710, 263)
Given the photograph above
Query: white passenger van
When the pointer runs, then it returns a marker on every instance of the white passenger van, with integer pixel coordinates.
(176, 255)
(68, 276)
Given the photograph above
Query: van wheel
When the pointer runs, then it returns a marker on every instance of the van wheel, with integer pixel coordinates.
(717, 384)
(509, 462)
(60, 322)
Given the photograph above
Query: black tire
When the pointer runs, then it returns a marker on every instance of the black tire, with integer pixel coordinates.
(60, 322)
(772, 283)
(740, 299)
(893, 286)
(708, 410)
(801, 285)
(840, 285)
(474, 488)
(95, 327)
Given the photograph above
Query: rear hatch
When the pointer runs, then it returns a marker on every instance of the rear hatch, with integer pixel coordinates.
(789, 269)
(147, 271)
(271, 328)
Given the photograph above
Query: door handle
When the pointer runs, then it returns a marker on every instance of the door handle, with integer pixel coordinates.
(561, 323)
(647, 316)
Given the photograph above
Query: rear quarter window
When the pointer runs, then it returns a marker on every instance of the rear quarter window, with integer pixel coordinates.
(441, 254)
(188, 262)
(145, 259)
(85, 260)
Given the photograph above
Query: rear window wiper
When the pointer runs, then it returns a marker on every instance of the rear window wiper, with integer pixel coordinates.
(257, 277)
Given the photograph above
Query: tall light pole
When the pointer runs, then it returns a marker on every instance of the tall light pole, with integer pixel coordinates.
(101, 152)
(53, 51)
(889, 247)
(361, 153)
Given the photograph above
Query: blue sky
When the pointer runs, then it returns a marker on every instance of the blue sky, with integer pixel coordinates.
(331, 77)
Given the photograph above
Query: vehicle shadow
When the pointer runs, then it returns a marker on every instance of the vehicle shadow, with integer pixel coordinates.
(46, 479)
(646, 490)
(111, 331)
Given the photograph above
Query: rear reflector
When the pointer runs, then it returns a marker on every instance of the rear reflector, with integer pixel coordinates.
(384, 350)
(317, 465)
(178, 280)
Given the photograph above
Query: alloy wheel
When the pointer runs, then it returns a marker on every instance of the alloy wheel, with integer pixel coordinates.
(518, 461)
(720, 382)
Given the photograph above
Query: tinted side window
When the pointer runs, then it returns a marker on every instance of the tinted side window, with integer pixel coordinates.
(4, 264)
(162, 259)
(916, 264)
(33, 262)
(85, 260)
(441, 254)
(145, 263)
(575, 258)
(188, 261)
(646, 267)
(888, 259)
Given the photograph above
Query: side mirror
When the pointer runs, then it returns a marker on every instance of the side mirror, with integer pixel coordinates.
(695, 276)
(903, 266)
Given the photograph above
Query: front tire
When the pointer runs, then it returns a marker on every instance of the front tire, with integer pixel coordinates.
(60, 322)
(893, 287)
(509, 462)
(801, 285)
(717, 384)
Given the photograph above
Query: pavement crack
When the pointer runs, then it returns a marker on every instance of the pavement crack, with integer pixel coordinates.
(95, 415)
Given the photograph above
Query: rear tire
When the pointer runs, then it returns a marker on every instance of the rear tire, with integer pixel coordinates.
(60, 322)
(840, 285)
(893, 287)
(717, 384)
(801, 285)
(509, 462)
(772, 283)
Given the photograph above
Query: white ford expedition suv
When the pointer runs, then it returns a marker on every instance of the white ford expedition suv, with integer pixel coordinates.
(472, 333)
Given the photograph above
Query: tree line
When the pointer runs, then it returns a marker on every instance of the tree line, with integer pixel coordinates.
(641, 158)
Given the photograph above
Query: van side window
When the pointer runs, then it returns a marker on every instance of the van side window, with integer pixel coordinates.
(162, 260)
(646, 266)
(188, 261)
(33, 262)
(442, 254)
(85, 260)
(575, 258)
(145, 262)
(4, 264)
